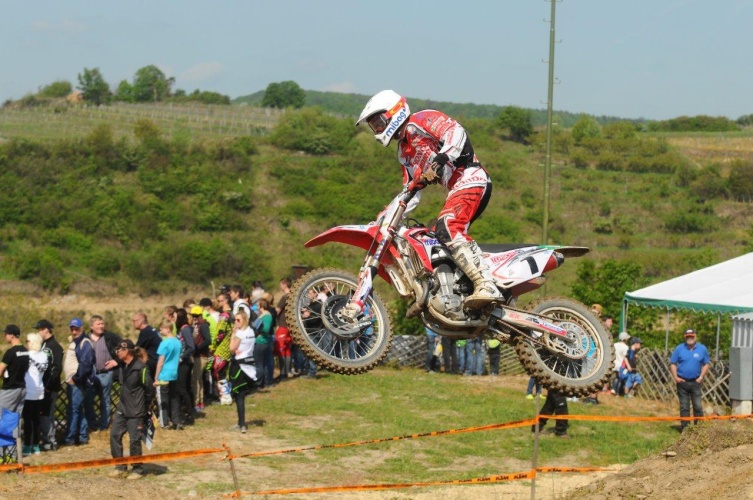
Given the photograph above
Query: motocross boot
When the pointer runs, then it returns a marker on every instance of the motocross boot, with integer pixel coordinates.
(470, 260)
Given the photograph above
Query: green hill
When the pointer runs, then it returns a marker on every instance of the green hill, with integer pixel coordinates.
(136, 206)
(352, 104)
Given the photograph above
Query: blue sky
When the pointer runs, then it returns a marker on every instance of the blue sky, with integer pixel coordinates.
(654, 59)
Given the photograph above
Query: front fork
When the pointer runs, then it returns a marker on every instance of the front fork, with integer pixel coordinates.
(371, 264)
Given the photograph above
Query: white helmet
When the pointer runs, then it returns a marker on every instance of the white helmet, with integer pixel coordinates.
(385, 113)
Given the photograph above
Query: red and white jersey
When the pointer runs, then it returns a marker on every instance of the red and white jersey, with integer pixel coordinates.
(430, 132)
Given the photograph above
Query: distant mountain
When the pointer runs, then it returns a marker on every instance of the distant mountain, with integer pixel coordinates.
(352, 104)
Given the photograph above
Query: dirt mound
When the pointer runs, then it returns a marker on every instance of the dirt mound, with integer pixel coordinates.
(710, 460)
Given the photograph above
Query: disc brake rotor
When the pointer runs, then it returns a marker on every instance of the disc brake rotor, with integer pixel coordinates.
(337, 323)
(575, 345)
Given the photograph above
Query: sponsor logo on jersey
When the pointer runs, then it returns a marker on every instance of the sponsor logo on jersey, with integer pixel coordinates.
(395, 123)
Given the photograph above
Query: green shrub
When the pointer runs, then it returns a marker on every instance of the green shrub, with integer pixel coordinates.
(312, 131)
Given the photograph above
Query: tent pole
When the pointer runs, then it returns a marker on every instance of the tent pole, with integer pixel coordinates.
(718, 330)
(666, 333)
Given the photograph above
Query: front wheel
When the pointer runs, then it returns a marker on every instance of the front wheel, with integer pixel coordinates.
(314, 316)
(585, 359)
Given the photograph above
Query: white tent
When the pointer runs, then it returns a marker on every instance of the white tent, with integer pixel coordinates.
(724, 288)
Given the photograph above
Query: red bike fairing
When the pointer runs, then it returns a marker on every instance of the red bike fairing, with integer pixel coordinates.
(428, 133)
(357, 236)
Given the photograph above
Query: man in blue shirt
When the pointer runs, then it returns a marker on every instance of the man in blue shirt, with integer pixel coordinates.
(689, 364)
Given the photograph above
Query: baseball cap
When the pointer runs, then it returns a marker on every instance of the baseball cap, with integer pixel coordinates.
(43, 323)
(635, 340)
(197, 311)
(690, 332)
(623, 336)
(126, 344)
(224, 288)
(12, 330)
(76, 323)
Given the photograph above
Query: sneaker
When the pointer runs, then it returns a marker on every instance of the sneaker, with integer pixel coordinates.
(26, 450)
(243, 429)
(135, 475)
(541, 396)
(529, 397)
(35, 449)
(236, 427)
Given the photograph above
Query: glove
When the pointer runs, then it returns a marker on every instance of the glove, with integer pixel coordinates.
(435, 170)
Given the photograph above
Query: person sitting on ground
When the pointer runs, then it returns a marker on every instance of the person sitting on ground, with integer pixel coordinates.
(629, 371)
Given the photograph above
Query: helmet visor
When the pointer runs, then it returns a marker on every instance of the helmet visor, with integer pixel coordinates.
(378, 122)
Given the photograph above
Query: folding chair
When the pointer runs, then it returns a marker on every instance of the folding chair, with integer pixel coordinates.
(9, 444)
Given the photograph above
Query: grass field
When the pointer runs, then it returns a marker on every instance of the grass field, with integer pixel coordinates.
(385, 403)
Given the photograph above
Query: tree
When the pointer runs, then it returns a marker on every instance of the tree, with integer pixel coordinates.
(586, 127)
(518, 121)
(151, 85)
(124, 92)
(60, 88)
(93, 85)
(284, 95)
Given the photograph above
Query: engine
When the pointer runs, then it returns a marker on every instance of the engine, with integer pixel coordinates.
(445, 300)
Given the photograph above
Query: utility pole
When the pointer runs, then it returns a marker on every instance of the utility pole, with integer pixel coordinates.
(549, 104)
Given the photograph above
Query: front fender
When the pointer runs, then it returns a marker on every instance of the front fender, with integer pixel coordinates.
(361, 236)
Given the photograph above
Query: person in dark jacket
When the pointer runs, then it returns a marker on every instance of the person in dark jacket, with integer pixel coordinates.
(149, 339)
(202, 339)
(185, 366)
(80, 375)
(52, 386)
(136, 393)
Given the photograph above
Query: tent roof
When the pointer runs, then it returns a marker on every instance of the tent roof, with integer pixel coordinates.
(726, 287)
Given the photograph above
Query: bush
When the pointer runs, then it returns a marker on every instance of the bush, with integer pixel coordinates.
(312, 131)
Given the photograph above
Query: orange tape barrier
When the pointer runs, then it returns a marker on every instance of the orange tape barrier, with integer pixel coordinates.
(515, 476)
(612, 418)
(88, 464)
(366, 487)
(507, 425)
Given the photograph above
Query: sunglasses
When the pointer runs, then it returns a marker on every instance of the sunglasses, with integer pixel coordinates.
(238, 320)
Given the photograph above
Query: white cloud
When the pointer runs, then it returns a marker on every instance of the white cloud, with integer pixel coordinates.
(200, 72)
(342, 87)
(64, 27)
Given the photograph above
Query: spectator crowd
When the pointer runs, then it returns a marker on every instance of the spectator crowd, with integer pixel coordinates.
(217, 350)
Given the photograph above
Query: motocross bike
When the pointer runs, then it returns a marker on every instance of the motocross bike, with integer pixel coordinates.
(342, 324)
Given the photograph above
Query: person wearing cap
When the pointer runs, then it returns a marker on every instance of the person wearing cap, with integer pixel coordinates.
(13, 368)
(620, 351)
(136, 394)
(53, 386)
(202, 339)
(80, 374)
(629, 372)
(104, 344)
(689, 363)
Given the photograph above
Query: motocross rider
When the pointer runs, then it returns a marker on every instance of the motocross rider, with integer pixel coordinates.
(434, 148)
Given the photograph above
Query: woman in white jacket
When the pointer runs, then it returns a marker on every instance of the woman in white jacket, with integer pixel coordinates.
(33, 407)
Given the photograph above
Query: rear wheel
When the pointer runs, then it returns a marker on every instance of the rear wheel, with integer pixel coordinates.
(585, 359)
(314, 316)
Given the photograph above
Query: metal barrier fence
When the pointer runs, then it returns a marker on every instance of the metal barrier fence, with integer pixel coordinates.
(653, 365)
